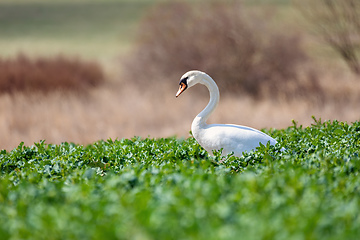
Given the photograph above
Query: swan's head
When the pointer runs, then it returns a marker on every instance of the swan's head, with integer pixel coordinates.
(189, 79)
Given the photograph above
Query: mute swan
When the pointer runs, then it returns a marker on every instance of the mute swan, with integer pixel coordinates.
(229, 137)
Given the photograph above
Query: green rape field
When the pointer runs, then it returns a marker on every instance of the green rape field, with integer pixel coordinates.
(171, 188)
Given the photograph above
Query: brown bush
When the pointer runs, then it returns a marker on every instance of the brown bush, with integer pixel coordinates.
(241, 51)
(48, 74)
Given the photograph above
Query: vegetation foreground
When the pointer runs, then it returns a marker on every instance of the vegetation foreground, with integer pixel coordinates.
(172, 189)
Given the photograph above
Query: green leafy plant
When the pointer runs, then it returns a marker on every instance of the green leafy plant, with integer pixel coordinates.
(171, 188)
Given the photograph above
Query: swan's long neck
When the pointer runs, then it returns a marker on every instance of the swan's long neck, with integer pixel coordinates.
(200, 119)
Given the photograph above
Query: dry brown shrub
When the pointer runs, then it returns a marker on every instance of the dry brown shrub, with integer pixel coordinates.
(241, 51)
(337, 22)
(44, 75)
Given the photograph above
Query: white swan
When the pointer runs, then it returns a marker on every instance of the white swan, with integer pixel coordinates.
(229, 137)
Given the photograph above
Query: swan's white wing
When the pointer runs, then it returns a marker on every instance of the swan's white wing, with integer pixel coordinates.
(232, 138)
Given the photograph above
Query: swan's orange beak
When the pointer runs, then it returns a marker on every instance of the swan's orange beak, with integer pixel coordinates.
(181, 89)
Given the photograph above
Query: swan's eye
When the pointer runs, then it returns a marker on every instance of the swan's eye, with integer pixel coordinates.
(184, 80)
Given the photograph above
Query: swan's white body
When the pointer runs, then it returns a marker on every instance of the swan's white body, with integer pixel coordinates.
(231, 138)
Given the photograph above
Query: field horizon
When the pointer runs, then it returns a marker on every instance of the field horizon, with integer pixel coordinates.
(122, 110)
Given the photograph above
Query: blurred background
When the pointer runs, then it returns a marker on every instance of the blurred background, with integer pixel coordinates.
(81, 71)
